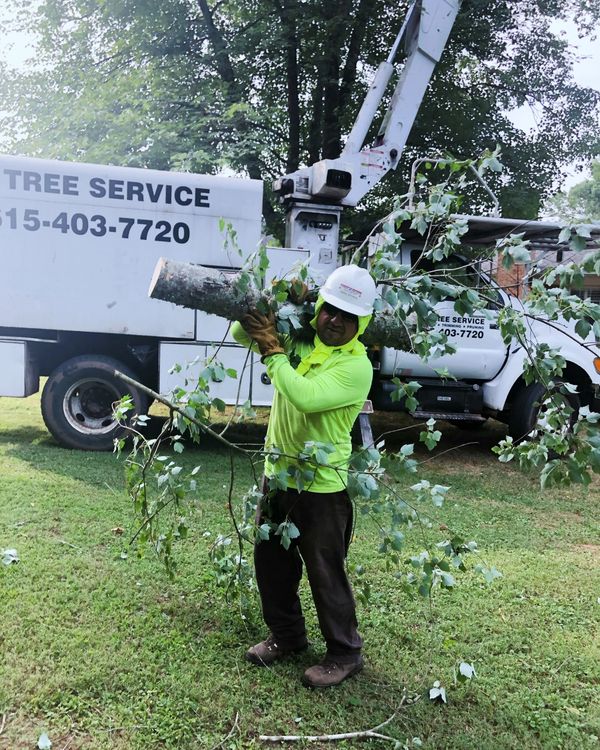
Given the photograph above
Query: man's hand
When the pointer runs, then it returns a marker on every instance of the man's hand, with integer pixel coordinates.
(262, 329)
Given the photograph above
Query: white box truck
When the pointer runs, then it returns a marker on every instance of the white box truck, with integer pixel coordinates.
(78, 245)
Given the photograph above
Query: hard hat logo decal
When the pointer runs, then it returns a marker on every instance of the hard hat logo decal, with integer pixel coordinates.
(350, 291)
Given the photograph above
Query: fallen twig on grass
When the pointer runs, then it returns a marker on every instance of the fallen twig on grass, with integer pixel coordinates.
(363, 734)
(68, 544)
(3, 724)
(231, 731)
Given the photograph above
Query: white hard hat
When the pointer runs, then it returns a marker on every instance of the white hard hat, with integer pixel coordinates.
(350, 288)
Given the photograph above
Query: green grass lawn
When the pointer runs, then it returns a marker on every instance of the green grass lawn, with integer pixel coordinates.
(100, 650)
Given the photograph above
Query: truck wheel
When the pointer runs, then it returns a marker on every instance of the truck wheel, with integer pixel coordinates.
(528, 409)
(78, 398)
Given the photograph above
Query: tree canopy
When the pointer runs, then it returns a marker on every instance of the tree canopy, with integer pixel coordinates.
(582, 201)
(262, 86)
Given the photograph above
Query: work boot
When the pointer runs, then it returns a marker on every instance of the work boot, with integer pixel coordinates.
(331, 672)
(267, 652)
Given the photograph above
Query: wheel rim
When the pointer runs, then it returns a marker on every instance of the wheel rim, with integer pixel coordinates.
(88, 406)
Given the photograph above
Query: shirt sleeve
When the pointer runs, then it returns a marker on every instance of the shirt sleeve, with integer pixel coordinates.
(346, 382)
(240, 335)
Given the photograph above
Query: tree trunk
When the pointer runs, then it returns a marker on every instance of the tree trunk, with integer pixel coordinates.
(219, 293)
(287, 13)
(330, 66)
(363, 14)
(315, 131)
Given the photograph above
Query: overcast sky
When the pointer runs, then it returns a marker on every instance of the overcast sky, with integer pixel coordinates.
(586, 72)
(17, 49)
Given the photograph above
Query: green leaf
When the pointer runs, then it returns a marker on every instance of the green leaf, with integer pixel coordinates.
(577, 243)
(10, 557)
(437, 693)
(466, 671)
(582, 328)
(565, 235)
(363, 485)
(397, 540)
(490, 574)
(219, 404)
(263, 531)
(321, 457)
(448, 581)
(287, 531)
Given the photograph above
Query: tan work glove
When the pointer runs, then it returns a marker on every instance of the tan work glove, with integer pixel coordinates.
(262, 329)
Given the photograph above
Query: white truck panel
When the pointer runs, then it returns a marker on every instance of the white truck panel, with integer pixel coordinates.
(480, 351)
(18, 375)
(82, 256)
(192, 358)
(262, 390)
(252, 374)
(496, 391)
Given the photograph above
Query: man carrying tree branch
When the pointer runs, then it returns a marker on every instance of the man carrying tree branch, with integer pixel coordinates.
(315, 402)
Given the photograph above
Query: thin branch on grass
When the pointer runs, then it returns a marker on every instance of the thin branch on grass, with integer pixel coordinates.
(237, 395)
(364, 734)
(231, 732)
(174, 407)
(68, 544)
(389, 488)
(212, 358)
(3, 724)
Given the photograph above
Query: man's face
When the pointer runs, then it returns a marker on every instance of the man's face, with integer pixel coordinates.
(336, 327)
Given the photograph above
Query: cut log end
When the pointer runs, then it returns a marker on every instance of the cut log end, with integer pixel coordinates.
(156, 276)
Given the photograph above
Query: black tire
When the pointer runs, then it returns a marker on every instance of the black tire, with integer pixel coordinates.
(526, 407)
(77, 402)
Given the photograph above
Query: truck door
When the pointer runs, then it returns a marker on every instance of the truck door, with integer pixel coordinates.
(480, 351)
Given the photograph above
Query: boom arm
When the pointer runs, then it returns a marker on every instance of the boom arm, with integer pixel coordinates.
(347, 179)
(314, 196)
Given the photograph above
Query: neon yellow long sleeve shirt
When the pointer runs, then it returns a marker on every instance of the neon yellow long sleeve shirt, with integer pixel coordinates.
(320, 405)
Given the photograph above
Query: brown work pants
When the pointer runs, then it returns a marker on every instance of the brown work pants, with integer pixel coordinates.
(325, 524)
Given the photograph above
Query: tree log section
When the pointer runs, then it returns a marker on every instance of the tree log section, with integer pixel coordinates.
(217, 292)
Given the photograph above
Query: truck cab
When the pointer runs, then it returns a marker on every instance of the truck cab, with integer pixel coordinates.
(486, 373)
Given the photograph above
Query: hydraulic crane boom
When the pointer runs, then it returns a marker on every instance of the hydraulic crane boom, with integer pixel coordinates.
(314, 196)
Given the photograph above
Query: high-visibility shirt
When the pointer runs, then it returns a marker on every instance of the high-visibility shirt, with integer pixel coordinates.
(318, 406)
